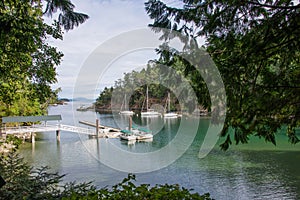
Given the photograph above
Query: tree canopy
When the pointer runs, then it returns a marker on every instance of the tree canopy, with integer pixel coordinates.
(134, 84)
(27, 62)
(255, 45)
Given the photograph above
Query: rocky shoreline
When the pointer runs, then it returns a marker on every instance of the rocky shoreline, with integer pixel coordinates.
(5, 146)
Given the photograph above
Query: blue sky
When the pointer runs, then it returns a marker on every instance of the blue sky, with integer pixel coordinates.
(108, 18)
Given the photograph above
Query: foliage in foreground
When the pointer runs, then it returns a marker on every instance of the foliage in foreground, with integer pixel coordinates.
(27, 61)
(24, 182)
(128, 190)
(255, 46)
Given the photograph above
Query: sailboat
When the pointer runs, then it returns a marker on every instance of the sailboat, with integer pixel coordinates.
(125, 111)
(170, 114)
(149, 112)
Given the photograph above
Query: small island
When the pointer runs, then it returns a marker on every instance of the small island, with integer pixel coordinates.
(126, 94)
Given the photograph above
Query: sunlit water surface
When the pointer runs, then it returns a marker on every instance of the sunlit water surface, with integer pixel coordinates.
(253, 171)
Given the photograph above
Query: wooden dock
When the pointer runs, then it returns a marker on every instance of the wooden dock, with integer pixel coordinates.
(111, 129)
(47, 128)
(99, 131)
(103, 132)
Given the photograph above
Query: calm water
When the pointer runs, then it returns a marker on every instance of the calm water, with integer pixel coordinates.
(253, 171)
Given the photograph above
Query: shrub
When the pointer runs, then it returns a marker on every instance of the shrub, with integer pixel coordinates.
(23, 182)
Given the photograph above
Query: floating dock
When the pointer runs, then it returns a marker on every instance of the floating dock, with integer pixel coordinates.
(103, 131)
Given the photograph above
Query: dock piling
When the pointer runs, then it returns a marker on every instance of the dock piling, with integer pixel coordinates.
(130, 123)
(97, 128)
(58, 135)
(32, 137)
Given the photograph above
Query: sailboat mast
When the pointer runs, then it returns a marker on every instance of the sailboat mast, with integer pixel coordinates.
(125, 100)
(169, 102)
(147, 98)
(122, 105)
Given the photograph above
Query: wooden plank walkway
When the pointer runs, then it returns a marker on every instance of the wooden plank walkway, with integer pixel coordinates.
(47, 128)
(97, 132)
(76, 129)
(100, 126)
(104, 132)
(29, 129)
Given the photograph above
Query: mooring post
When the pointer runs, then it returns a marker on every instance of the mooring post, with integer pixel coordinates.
(97, 128)
(32, 137)
(58, 135)
(130, 123)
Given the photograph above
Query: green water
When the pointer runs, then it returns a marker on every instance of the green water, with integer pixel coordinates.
(257, 170)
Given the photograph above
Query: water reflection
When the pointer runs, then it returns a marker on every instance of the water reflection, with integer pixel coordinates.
(253, 171)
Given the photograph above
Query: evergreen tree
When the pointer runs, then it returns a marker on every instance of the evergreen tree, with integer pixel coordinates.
(255, 45)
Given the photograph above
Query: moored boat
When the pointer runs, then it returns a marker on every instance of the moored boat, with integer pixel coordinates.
(149, 112)
(142, 133)
(169, 114)
(127, 135)
(126, 111)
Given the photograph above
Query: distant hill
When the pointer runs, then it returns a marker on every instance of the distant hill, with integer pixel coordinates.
(83, 99)
(64, 99)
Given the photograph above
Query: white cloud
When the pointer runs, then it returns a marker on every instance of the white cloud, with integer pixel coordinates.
(107, 19)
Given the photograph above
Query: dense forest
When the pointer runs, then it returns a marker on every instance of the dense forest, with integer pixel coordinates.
(160, 82)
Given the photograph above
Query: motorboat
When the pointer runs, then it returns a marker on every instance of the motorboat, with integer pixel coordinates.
(127, 135)
(142, 133)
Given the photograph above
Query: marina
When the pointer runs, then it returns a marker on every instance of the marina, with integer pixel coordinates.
(98, 131)
(242, 168)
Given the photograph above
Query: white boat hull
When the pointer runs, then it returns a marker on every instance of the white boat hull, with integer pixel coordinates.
(126, 112)
(140, 135)
(128, 137)
(171, 115)
(147, 136)
(150, 114)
